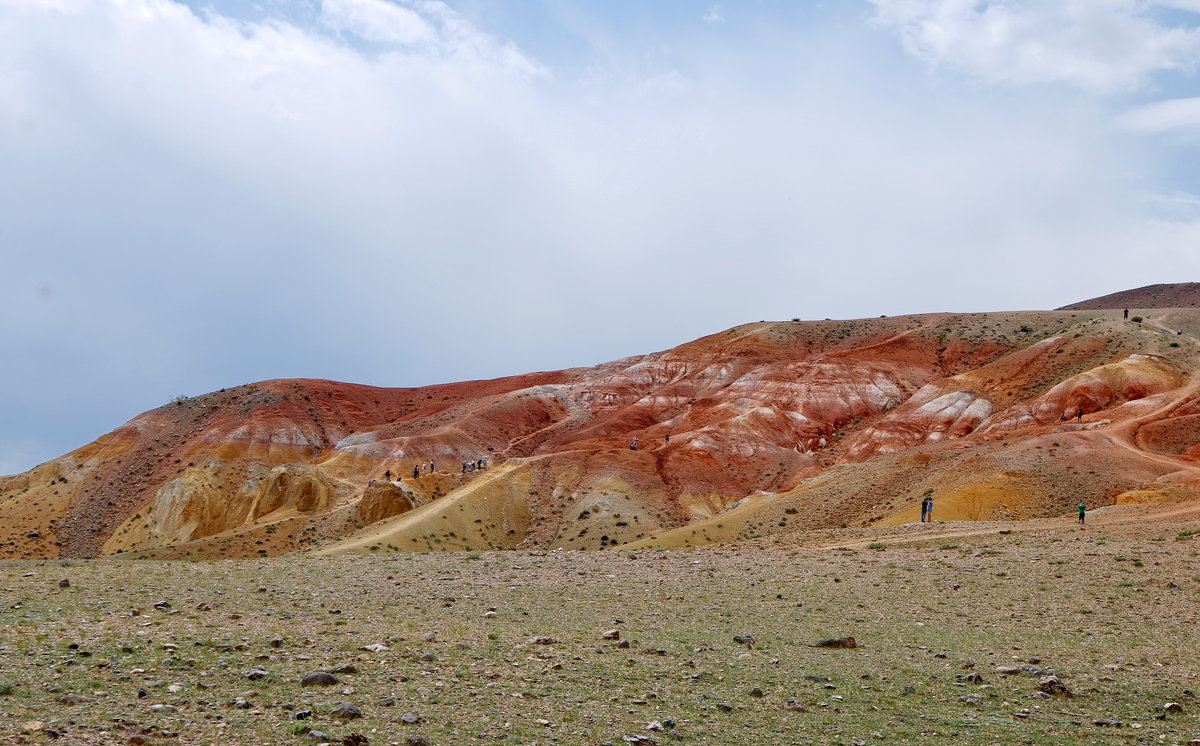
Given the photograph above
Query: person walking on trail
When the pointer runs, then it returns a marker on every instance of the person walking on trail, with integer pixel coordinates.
(417, 472)
(929, 511)
(1127, 314)
(388, 475)
(1079, 414)
(924, 507)
(1082, 512)
(633, 446)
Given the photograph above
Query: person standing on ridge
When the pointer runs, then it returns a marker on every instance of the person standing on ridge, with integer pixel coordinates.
(388, 475)
(1082, 512)
(1127, 314)
(417, 471)
(633, 446)
(924, 507)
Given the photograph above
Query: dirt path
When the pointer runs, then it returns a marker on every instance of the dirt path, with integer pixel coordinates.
(1124, 515)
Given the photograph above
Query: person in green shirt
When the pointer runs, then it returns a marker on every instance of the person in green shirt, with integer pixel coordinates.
(1082, 512)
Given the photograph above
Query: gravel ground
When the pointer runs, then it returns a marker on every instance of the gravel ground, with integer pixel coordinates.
(509, 647)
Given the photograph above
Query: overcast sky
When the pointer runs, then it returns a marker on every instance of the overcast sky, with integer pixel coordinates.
(204, 194)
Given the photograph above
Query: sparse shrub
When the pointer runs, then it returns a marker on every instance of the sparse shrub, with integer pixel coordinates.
(7, 687)
(876, 545)
(1136, 319)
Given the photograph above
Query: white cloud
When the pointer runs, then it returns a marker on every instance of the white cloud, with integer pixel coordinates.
(713, 15)
(1101, 46)
(1163, 116)
(378, 20)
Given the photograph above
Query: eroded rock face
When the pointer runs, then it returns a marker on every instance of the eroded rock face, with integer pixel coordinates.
(382, 500)
(1136, 377)
(304, 489)
(733, 419)
(922, 419)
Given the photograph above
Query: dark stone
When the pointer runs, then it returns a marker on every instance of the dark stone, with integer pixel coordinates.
(319, 678)
(346, 711)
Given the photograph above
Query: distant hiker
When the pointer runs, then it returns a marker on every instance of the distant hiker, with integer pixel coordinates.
(633, 446)
(1179, 332)
(1079, 414)
(1127, 314)
(416, 472)
(1062, 417)
(388, 475)
(464, 469)
(484, 461)
(430, 467)
(667, 438)
(1082, 511)
(924, 508)
(929, 513)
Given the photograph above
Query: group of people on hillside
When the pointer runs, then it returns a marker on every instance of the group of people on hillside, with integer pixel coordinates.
(429, 467)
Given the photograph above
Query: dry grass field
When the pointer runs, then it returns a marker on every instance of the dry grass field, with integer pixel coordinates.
(957, 626)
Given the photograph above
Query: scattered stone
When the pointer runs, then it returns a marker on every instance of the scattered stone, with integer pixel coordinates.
(1008, 670)
(387, 702)
(542, 640)
(1104, 723)
(836, 642)
(1054, 686)
(611, 634)
(277, 642)
(1172, 707)
(257, 673)
(344, 668)
(969, 678)
(417, 741)
(241, 703)
(429, 637)
(654, 725)
(319, 678)
(33, 726)
(489, 615)
(64, 583)
(355, 739)
(428, 657)
(756, 692)
(817, 679)
(744, 639)
(377, 647)
(163, 708)
(971, 699)
(346, 711)
(318, 735)
(411, 718)
(74, 699)
(301, 715)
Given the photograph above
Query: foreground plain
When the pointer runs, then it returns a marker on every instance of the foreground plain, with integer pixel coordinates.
(1112, 611)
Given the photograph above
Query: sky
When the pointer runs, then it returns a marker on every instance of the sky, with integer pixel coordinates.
(197, 195)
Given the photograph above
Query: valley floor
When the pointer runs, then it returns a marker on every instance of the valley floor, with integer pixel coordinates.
(508, 648)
